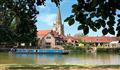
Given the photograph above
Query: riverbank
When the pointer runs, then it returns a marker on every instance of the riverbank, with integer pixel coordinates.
(79, 50)
(99, 50)
(58, 67)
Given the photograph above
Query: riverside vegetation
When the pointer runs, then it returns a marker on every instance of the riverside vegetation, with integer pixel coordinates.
(83, 49)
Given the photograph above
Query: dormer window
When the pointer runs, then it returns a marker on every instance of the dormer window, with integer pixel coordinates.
(48, 37)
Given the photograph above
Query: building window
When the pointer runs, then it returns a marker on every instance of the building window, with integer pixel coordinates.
(48, 37)
(48, 43)
(65, 40)
(76, 42)
(72, 41)
(57, 42)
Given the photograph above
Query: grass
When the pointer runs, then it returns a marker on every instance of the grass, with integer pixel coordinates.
(33, 66)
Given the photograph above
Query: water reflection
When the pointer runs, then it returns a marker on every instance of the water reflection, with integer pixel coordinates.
(98, 59)
(50, 59)
(42, 58)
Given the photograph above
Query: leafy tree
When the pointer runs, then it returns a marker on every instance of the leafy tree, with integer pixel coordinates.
(25, 11)
(94, 14)
(6, 35)
(20, 18)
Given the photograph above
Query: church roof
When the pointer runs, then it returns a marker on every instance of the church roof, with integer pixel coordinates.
(58, 18)
(42, 33)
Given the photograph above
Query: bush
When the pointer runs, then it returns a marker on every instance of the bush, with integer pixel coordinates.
(74, 48)
(69, 47)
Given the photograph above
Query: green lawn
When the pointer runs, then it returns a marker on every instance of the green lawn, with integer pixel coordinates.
(47, 67)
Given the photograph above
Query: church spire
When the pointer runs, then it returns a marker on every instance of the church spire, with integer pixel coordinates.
(58, 26)
(58, 19)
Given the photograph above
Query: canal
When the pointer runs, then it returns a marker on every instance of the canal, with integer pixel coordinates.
(72, 58)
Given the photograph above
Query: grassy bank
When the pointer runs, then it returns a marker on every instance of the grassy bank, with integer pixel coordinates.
(59, 67)
(99, 49)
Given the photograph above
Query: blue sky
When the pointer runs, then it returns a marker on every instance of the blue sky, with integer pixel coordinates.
(47, 15)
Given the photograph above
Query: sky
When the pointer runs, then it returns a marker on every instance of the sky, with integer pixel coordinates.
(47, 15)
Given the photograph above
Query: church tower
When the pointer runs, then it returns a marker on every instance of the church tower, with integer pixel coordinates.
(58, 26)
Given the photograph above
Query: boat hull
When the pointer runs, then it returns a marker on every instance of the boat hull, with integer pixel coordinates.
(41, 51)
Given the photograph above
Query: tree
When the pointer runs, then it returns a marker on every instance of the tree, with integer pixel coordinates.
(6, 35)
(94, 14)
(25, 11)
(20, 18)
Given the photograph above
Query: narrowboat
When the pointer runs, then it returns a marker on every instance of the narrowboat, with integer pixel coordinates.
(40, 51)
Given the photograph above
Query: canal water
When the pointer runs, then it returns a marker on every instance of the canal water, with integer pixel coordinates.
(74, 58)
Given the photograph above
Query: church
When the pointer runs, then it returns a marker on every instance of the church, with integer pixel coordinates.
(58, 26)
(52, 38)
(55, 37)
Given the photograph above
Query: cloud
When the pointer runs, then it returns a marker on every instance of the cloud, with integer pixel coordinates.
(45, 16)
(41, 7)
(46, 19)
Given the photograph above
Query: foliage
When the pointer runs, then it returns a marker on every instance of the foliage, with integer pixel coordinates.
(69, 47)
(80, 41)
(6, 35)
(42, 2)
(74, 48)
(24, 11)
(96, 14)
(19, 16)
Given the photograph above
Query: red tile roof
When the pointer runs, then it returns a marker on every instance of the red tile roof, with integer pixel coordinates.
(70, 39)
(42, 33)
(101, 39)
(96, 39)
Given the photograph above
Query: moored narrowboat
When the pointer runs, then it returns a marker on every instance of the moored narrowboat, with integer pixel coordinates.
(41, 51)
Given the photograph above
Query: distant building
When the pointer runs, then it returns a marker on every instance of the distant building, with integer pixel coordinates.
(49, 39)
(45, 39)
(52, 38)
(55, 37)
(58, 26)
(99, 40)
(71, 40)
